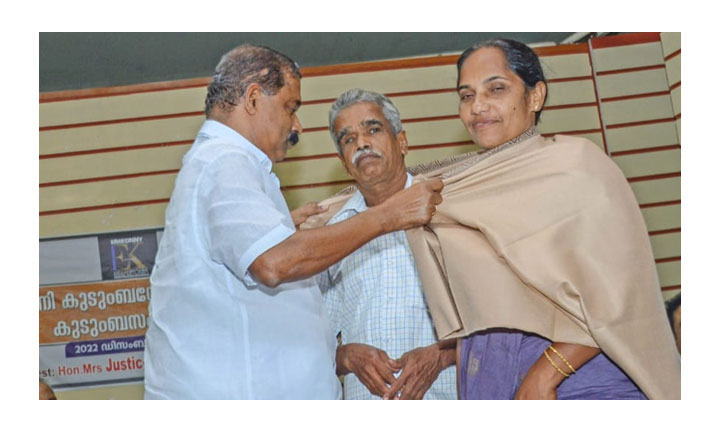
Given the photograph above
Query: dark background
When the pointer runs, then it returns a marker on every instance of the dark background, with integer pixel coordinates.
(71, 61)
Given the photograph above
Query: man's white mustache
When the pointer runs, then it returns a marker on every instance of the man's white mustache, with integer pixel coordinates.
(363, 152)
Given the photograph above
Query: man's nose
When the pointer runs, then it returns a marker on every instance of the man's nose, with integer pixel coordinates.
(296, 125)
(362, 144)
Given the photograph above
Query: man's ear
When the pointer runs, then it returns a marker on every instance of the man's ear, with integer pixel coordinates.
(252, 98)
(402, 140)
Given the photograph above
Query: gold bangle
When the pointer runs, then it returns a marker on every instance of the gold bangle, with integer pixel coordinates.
(553, 363)
(562, 358)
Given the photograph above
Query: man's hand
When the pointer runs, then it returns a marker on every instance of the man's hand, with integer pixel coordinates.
(371, 366)
(300, 214)
(420, 368)
(411, 207)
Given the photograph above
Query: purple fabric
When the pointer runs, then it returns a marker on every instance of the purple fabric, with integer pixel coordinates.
(494, 362)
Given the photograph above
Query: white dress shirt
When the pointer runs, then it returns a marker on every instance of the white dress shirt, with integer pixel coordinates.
(214, 332)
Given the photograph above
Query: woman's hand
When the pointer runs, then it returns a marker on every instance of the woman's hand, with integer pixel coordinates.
(543, 378)
(540, 382)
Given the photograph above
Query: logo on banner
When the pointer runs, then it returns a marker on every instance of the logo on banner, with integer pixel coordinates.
(129, 255)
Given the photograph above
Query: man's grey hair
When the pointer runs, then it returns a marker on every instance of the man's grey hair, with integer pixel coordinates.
(351, 97)
(243, 66)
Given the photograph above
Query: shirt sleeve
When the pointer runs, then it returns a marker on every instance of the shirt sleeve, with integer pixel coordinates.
(242, 220)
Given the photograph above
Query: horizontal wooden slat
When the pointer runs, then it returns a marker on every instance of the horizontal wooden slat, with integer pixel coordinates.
(410, 107)
(637, 110)
(390, 81)
(111, 164)
(144, 188)
(642, 136)
(632, 83)
(570, 93)
(666, 245)
(566, 66)
(103, 221)
(646, 164)
(657, 191)
(570, 119)
(626, 57)
(120, 135)
(122, 107)
(669, 273)
(662, 217)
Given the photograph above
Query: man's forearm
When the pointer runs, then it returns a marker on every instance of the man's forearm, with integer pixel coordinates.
(308, 252)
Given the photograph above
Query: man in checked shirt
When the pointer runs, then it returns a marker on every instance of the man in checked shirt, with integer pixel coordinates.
(374, 296)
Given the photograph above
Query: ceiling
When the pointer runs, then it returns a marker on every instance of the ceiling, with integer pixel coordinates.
(87, 60)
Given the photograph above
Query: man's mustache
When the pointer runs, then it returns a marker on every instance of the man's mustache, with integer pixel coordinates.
(362, 152)
(293, 138)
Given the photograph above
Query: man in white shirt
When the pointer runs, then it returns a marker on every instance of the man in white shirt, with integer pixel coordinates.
(233, 314)
(374, 296)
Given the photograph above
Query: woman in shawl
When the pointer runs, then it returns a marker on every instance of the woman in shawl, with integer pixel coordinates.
(502, 90)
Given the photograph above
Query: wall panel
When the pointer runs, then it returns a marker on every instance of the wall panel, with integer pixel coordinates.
(662, 217)
(569, 119)
(637, 110)
(566, 66)
(632, 83)
(669, 273)
(666, 245)
(627, 57)
(119, 135)
(112, 219)
(122, 107)
(108, 164)
(643, 136)
(89, 194)
(647, 164)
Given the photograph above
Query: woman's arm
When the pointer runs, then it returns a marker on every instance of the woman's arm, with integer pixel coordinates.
(543, 378)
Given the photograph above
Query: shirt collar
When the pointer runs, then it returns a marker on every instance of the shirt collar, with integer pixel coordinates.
(217, 129)
(356, 203)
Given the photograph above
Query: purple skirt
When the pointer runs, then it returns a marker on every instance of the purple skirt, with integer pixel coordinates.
(493, 364)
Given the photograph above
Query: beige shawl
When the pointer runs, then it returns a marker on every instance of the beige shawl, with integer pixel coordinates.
(545, 236)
